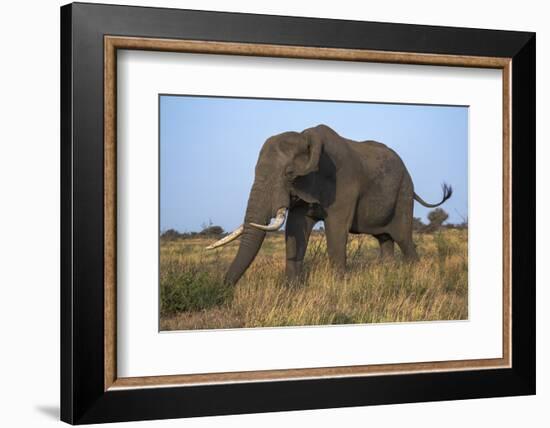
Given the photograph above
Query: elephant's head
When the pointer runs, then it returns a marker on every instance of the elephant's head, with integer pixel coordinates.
(283, 171)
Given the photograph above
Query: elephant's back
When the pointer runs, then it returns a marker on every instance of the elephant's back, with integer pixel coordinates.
(372, 148)
(378, 159)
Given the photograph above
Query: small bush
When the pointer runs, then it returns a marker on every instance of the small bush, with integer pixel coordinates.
(212, 231)
(192, 291)
(170, 235)
(437, 217)
(340, 318)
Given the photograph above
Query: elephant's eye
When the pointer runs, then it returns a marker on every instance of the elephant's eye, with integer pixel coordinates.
(289, 173)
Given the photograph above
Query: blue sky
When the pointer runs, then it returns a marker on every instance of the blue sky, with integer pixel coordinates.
(209, 147)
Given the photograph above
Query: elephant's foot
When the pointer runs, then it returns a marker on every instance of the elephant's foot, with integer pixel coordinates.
(409, 251)
(293, 271)
(386, 249)
(338, 267)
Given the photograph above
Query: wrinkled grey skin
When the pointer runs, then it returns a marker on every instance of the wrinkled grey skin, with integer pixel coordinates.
(354, 187)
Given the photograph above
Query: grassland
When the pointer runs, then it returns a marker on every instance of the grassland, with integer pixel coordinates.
(370, 291)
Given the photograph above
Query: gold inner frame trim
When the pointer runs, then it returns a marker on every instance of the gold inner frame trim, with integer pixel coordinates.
(113, 43)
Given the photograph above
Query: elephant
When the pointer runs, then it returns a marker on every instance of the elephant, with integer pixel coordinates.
(358, 187)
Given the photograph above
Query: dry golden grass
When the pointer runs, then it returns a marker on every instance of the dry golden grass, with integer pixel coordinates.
(370, 291)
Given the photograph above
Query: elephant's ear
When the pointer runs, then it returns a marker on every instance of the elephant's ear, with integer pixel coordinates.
(311, 155)
(306, 184)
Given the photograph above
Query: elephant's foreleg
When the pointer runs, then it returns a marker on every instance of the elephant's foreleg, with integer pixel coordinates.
(337, 239)
(297, 232)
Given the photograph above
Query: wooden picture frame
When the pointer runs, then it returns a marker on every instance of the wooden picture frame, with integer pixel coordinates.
(91, 390)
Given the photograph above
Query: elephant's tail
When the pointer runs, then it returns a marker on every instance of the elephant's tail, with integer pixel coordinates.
(447, 193)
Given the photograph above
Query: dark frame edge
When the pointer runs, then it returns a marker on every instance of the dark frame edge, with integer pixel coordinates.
(83, 399)
(66, 130)
(524, 217)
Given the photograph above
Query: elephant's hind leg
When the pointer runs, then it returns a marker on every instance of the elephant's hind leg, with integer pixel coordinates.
(408, 249)
(297, 231)
(386, 246)
(401, 229)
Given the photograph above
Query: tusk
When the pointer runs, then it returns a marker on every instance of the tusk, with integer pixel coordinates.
(227, 239)
(279, 220)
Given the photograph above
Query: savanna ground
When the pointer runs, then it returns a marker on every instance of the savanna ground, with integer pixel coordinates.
(192, 294)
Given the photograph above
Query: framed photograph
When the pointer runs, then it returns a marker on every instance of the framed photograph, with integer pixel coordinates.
(265, 213)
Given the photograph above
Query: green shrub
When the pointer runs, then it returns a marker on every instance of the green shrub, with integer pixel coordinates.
(212, 230)
(192, 291)
(437, 217)
(170, 235)
(341, 318)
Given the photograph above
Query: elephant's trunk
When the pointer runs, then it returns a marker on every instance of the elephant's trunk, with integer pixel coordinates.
(259, 210)
(251, 241)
